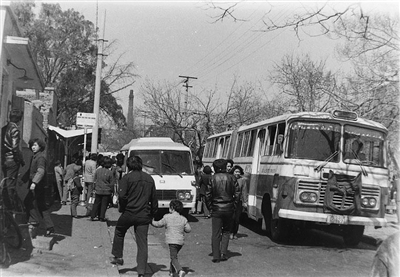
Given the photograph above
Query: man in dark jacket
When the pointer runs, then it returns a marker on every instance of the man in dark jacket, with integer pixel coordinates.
(11, 158)
(222, 196)
(138, 204)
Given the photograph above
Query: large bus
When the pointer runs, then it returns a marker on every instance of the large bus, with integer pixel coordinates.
(171, 166)
(311, 168)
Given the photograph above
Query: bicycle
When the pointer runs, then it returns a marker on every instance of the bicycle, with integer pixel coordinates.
(10, 233)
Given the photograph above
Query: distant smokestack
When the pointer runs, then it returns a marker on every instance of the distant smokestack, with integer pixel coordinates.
(130, 111)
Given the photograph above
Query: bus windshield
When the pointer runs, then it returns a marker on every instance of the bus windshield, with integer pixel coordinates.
(165, 162)
(314, 140)
(363, 146)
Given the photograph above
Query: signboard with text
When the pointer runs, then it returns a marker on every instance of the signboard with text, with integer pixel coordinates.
(86, 119)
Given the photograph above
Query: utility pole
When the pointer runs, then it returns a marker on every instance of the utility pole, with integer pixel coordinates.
(96, 104)
(186, 85)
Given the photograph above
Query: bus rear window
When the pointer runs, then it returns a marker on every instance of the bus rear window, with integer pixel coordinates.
(314, 141)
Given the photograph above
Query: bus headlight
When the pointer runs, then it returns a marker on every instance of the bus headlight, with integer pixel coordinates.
(193, 183)
(368, 202)
(184, 195)
(308, 197)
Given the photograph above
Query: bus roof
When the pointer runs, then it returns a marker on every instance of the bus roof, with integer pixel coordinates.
(308, 115)
(154, 143)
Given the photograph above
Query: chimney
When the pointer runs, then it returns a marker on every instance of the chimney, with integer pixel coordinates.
(130, 111)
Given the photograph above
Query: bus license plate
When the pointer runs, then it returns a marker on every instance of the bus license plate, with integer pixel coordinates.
(337, 219)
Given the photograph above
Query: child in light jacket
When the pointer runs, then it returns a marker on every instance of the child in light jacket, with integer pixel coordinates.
(176, 226)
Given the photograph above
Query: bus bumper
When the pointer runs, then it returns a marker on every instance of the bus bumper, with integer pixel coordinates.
(332, 218)
(164, 204)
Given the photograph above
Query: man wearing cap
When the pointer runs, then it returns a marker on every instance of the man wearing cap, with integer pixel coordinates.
(12, 158)
(222, 197)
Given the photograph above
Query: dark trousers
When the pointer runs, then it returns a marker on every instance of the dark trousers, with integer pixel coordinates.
(100, 206)
(236, 218)
(89, 186)
(173, 253)
(141, 228)
(221, 224)
(10, 196)
(205, 209)
(74, 203)
(32, 209)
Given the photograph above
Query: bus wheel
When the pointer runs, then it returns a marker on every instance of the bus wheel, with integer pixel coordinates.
(352, 234)
(267, 217)
(279, 229)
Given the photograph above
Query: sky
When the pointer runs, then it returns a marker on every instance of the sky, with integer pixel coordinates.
(168, 39)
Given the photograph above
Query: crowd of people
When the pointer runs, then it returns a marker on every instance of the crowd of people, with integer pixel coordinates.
(222, 193)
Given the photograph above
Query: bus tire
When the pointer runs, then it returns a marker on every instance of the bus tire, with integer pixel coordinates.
(279, 229)
(267, 216)
(352, 234)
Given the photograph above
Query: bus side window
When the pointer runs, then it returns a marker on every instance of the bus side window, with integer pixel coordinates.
(278, 150)
(239, 145)
(270, 140)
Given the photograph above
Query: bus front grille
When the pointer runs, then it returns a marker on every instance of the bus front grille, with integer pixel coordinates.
(166, 194)
(319, 187)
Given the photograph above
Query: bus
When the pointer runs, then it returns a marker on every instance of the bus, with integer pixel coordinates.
(171, 166)
(311, 168)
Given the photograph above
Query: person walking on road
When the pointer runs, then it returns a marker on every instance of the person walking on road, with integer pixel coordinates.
(70, 171)
(37, 185)
(76, 191)
(104, 181)
(12, 159)
(59, 173)
(88, 177)
(242, 203)
(176, 226)
(203, 183)
(222, 196)
(138, 204)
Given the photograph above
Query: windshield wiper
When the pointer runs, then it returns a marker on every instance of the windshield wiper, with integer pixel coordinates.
(359, 163)
(173, 169)
(154, 169)
(327, 160)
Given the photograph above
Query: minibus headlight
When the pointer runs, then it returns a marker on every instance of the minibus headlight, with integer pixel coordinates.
(193, 183)
(181, 196)
(308, 197)
(184, 195)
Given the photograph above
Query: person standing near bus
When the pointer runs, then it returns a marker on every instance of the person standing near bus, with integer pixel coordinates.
(222, 196)
(59, 173)
(229, 165)
(242, 183)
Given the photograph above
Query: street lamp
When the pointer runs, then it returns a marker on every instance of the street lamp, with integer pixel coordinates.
(23, 78)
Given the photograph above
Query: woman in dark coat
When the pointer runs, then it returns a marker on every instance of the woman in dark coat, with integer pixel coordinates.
(104, 181)
(242, 203)
(204, 180)
(36, 200)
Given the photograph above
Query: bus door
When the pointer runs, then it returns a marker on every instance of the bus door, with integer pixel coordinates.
(258, 149)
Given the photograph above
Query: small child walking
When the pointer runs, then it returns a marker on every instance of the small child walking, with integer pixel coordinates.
(176, 226)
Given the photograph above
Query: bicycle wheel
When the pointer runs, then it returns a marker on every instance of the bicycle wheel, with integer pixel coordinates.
(11, 233)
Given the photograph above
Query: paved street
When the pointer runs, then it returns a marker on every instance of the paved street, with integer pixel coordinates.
(82, 248)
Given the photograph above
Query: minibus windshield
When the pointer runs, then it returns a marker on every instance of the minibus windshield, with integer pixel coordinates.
(165, 162)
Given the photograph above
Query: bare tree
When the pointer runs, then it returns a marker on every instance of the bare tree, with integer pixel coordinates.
(307, 83)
